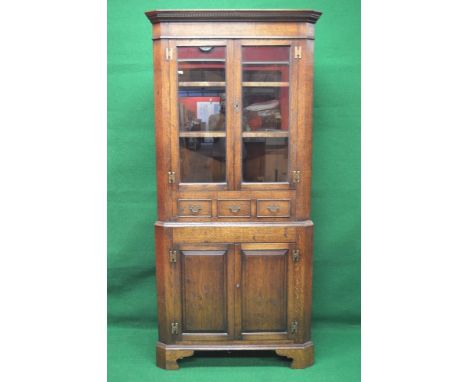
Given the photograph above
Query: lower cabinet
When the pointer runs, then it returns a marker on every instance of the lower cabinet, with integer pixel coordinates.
(234, 291)
(253, 289)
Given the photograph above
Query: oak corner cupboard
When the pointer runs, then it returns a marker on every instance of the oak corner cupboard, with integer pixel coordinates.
(233, 109)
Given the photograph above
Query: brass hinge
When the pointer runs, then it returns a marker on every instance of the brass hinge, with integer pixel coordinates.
(171, 177)
(168, 54)
(295, 255)
(298, 52)
(296, 176)
(294, 327)
(172, 256)
(174, 328)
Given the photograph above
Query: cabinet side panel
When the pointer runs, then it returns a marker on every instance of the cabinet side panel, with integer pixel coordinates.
(162, 128)
(304, 243)
(304, 130)
(162, 244)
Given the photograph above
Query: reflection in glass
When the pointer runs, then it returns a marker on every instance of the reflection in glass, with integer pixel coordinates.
(201, 71)
(265, 64)
(265, 160)
(202, 160)
(201, 64)
(265, 73)
(265, 108)
(265, 54)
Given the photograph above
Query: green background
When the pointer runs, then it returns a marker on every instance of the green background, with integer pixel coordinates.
(132, 201)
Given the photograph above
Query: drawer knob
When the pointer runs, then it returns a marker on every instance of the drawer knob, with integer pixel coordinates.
(194, 209)
(273, 208)
(234, 209)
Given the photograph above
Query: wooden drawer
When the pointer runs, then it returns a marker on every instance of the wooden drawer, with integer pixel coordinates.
(231, 208)
(279, 208)
(194, 208)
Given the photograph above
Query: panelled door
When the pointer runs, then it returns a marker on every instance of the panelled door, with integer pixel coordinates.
(265, 297)
(234, 114)
(234, 292)
(204, 292)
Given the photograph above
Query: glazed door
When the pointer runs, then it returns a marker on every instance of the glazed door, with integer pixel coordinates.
(264, 296)
(267, 120)
(205, 275)
(201, 113)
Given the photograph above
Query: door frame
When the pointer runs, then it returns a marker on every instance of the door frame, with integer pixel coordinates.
(179, 291)
(293, 111)
(174, 115)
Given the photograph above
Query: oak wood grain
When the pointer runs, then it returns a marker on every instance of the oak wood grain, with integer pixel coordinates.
(233, 259)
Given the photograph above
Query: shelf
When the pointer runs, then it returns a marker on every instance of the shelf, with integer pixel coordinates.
(266, 134)
(201, 60)
(265, 84)
(206, 84)
(202, 134)
(265, 63)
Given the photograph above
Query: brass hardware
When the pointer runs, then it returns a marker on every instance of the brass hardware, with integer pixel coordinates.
(273, 208)
(237, 285)
(194, 209)
(234, 209)
(296, 176)
(171, 177)
(168, 54)
(295, 255)
(298, 52)
(294, 327)
(173, 256)
(174, 328)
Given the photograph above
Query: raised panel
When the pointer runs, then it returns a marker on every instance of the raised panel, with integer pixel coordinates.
(204, 291)
(264, 290)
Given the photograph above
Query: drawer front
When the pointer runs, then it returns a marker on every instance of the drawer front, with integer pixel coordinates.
(267, 208)
(231, 208)
(194, 208)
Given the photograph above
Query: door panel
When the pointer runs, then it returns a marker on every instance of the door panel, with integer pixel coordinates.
(206, 298)
(204, 291)
(264, 282)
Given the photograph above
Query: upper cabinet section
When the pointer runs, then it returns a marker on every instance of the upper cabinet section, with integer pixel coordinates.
(233, 92)
(233, 23)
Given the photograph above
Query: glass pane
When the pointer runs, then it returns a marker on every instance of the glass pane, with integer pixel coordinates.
(202, 116)
(265, 113)
(201, 64)
(265, 159)
(202, 109)
(202, 160)
(265, 64)
(265, 109)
